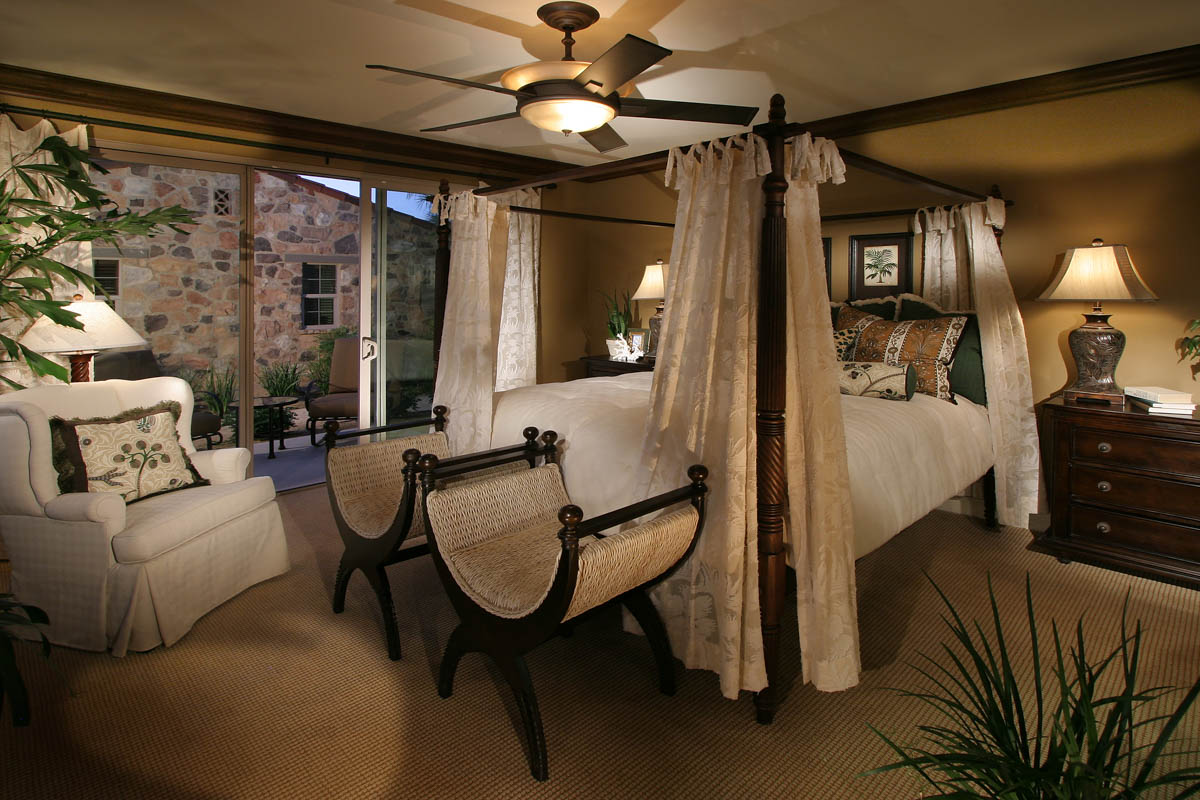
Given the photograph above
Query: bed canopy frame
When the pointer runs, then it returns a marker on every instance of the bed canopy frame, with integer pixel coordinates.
(771, 381)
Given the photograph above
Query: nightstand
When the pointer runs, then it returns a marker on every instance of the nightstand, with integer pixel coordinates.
(603, 366)
(1124, 489)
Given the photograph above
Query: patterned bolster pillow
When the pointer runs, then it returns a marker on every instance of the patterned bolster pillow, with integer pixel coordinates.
(876, 379)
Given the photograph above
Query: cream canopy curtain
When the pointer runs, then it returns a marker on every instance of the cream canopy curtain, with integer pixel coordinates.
(17, 144)
(702, 409)
(489, 333)
(965, 269)
(820, 532)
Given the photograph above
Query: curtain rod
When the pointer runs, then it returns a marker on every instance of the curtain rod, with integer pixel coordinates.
(211, 137)
(592, 217)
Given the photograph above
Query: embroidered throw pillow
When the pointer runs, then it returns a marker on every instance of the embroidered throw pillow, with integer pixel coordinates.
(927, 344)
(136, 453)
(843, 343)
(876, 379)
(966, 373)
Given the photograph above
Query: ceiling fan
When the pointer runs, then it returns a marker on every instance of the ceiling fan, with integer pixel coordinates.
(577, 97)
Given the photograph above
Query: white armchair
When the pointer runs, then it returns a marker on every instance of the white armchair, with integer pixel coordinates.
(112, 576)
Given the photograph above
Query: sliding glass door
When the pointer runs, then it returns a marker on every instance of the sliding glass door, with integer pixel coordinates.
(397, 313)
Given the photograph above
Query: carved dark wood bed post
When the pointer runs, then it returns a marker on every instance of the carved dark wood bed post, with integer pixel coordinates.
(771, 381)
(441, 278)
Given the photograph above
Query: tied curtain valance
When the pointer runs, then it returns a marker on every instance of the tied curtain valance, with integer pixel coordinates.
(963, 269)
(489, 332)
(702, 409)
(16, 145)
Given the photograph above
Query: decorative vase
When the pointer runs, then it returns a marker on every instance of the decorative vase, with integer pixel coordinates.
(618, 349)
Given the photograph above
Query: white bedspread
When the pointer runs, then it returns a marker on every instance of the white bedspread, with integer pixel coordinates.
(906, 458)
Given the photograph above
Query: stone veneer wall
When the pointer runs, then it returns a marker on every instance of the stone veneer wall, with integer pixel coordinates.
(299, 221)
(179, 290)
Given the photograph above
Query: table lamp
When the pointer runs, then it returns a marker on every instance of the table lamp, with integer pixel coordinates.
(1096, 273)
(103, 329)
(653, 287)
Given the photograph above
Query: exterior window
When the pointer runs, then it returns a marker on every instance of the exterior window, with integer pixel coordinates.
(318, 292)
(107, 272)
(222, 203)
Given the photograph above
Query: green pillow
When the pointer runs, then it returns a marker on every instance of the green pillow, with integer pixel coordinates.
(966, 371)
(881, 307)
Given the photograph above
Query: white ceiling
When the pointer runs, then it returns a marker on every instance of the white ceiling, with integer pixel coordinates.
(827, 57)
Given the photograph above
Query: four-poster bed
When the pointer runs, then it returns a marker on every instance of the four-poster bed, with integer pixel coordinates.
(770, 380)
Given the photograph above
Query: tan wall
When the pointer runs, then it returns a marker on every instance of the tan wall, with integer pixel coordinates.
(1121, 165)
(596, 257)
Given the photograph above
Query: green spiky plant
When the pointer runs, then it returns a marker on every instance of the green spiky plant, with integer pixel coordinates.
(1189, 346)
(1075, 738)
(14, 615)
(620, 315)
(44, 206)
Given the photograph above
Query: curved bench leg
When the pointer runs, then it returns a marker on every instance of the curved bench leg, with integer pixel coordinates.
(517, 675)
(377, 577)
(647, 616)
(340, 581)
(458, 646)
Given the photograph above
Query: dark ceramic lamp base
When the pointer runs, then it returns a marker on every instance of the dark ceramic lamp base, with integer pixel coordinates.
(1096, 347)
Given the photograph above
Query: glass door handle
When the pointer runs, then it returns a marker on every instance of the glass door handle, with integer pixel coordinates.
(369, 349)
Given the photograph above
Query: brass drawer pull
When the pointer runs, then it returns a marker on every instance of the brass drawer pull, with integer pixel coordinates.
(1104, 486)
(1104, 447)
(1103, 527)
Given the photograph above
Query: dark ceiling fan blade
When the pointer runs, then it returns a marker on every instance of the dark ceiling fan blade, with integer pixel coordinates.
(604, 138)
(621, 63)
(444, 79)
(453, 125)
(692, 112)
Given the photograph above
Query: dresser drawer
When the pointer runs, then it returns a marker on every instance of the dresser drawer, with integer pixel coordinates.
(1153, 536)
(1180, 457)
(1099, 485)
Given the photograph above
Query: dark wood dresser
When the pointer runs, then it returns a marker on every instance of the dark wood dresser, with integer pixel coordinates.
(1124, 489)
(603, 366)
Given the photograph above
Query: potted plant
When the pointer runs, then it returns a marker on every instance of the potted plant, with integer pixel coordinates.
(620, 319)
(14, 615)
(1189, 346)
(44, 206)
(1085, 733)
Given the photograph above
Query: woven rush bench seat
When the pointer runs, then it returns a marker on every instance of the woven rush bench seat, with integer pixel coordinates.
(376, 498)
(517, 560)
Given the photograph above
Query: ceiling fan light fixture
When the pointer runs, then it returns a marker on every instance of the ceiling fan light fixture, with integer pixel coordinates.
(567, 114)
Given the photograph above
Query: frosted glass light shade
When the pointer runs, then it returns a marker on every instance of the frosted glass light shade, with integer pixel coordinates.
(653, 286)
(570, 114)
(519, 77)
(1099, 272)
(103, 329)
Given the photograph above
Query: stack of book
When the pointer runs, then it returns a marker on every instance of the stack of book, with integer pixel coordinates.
(1158, 400)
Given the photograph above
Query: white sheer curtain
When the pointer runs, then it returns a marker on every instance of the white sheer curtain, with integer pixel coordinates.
(516, 363)
(820, 524)
(966, 265)
(489, 333)
(702, 405)
(17, 144)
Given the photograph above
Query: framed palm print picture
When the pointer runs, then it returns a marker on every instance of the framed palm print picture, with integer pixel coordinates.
(880, 265)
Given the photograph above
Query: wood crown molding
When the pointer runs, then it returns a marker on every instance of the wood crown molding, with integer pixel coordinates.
(1183, 62)
(52, 87)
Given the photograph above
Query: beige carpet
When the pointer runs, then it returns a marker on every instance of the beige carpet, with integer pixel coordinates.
(272, 695)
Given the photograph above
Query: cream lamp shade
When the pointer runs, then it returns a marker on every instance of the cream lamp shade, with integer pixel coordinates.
(103, 329)
(1099, 272)
(653, 285)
